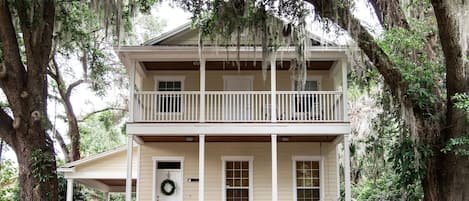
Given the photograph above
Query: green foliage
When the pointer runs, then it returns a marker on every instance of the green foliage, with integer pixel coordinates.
(459, 145)
(100, 133)
(461, 101)
(42, 163)
(423, 72)
(9, 188)
(456, 145)
(408, 161)
(384, 188)
(79, 33)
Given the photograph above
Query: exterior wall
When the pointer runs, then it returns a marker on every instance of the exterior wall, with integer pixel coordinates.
(108, 167)
(214, 80)
(261, 167)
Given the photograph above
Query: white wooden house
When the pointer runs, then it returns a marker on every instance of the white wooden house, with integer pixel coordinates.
(205, 130)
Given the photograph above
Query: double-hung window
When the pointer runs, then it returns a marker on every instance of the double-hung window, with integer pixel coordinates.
(168, 102)
(237, 179)
(307, 180)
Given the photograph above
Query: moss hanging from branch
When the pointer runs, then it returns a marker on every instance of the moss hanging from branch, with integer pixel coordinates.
(226, 22)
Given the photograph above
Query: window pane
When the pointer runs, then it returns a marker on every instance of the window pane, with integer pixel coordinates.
(229, 165)
(315, 165)
(237, 165)
(237, 180)
(307, 180)
(245, 174)
(245, 165)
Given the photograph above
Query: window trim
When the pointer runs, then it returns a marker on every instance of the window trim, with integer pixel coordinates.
(158, 78)
(316, 78)
(169, 78)
(320, 159)
(250, 159)
(155, 159)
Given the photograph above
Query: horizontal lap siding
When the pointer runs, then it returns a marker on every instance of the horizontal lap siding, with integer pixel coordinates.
(187, 150)
(109, 166)
(261, 167)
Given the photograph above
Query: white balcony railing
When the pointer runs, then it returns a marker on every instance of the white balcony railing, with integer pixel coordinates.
(239, 106)
(170, 106)
(310, 106)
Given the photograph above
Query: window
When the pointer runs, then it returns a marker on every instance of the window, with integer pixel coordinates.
(168, 102)
(305, 103)
(237, 179)
(307, 176)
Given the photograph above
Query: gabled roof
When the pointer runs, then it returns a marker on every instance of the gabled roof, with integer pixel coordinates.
(92, 158)
(181, 29)
(185, 31)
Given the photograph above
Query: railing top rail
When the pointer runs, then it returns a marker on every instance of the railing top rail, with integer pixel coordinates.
(166, 92)
(309, 92)
(238, 92)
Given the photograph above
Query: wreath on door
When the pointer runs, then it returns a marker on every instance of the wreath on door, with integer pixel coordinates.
(171, 184)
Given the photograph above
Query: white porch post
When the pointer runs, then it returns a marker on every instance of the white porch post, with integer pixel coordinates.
(106, 196)
(201, 167)
(348, 196)
(337, 161)
(128, 181)
(202, 91)
(274, 168)
(69, 189)
(273, 89)
(344, 89)
(132, 91)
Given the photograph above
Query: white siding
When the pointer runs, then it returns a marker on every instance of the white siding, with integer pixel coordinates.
(261, 167)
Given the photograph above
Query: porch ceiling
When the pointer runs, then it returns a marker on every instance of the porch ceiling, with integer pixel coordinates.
(229, 65)
(116, 182)
(238, 138)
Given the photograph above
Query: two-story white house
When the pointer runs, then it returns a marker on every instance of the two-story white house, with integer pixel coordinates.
(202, 129)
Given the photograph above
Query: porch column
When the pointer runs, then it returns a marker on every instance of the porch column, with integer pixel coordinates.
(128, 181)
(132, 91)
(202, 91)
(348, 195)
(274, 168)
(273, 89)
(201, 167)
(344, 89)
(337, 161)
(106, 196)
(69, 190)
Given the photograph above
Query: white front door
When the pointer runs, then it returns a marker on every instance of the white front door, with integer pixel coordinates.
(237, 106)
(169, 181)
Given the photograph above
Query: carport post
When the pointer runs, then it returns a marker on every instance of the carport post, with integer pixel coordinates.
(69, 189)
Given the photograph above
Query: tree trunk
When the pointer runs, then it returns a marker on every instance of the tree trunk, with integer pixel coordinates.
(453, 180)
(25, 86)
(36, 160)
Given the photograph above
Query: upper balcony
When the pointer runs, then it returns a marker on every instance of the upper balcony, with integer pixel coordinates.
(174, 81)
(180, 91)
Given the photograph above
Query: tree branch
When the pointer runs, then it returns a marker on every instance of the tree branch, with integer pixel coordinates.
(15, 71)
(63, 146)
(366, 42)
(389, 13)
(7, 132)
(72, 86)
(99, 111)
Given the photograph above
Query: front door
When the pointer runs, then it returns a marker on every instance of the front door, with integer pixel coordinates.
(237, 105)
(168, 181)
